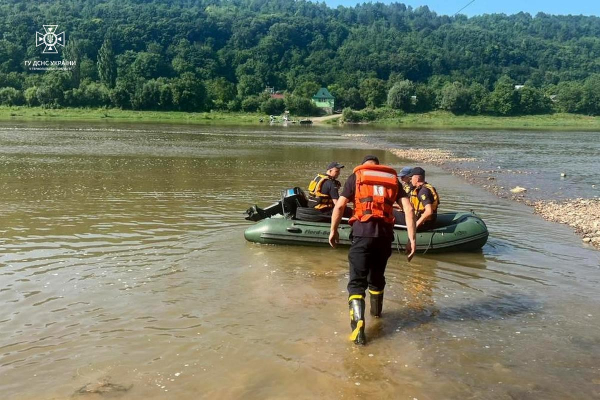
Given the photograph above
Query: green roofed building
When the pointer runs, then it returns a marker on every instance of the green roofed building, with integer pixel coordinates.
(324, 100)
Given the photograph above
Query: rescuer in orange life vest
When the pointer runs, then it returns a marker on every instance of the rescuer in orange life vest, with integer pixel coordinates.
(373, 189)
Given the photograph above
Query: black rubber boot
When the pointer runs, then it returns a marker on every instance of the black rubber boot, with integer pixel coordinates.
(376, 302)
(357, 319)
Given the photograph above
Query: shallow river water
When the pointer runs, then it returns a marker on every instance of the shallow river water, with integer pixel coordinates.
(124, 273)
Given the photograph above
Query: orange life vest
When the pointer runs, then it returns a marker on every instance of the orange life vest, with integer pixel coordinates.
(376, 193)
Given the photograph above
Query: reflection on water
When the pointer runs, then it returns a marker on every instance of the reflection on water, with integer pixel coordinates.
(124, 272)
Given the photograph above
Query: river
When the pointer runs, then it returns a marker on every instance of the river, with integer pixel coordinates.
(124, 272)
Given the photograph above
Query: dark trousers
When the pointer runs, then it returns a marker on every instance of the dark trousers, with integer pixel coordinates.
(368, 258)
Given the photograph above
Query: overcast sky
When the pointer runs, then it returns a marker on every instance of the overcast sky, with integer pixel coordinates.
(450, 7)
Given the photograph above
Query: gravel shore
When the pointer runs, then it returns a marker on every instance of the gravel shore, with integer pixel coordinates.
(581, 214)
(430, 156)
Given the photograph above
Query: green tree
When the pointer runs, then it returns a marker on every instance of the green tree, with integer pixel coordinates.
(251, 104)
(300, 106)
(189, 94)
(504, 100)
(51, 91)
(479, 98)
(273, 106)
(353, 100)
(455, 97)
(373, 91)
(107, 64)
(31, 96)
(348, 115)
(10, 55)
(88, 70)
(120, 96)
(10, 96)
(307, 89)
(346, 97)
(249, 85)
(590, 102)
(533, 101)
(12, 79)
(197, 58)
(88, 94)
(400, 95)
(425, 98)
(220, 92)
(74, 52)
(147, 65)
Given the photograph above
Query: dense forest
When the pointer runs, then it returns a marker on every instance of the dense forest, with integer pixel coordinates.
(197, 55)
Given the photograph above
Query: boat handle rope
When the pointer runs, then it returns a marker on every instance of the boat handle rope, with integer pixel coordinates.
(399, 247)
(430, 242)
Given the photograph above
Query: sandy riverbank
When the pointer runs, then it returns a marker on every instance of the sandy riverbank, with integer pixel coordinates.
(581, 214)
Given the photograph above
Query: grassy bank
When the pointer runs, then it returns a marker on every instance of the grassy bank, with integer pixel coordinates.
(443, 119)
(117, 115)
(435, 119)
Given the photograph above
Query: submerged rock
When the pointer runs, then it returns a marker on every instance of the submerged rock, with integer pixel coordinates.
(103, 387)
(518, 189)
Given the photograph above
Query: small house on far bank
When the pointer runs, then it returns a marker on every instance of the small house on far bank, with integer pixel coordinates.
(324, 100)
(274, 94)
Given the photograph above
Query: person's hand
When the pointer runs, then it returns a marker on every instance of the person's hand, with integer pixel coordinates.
(334, 238)
(410, 249)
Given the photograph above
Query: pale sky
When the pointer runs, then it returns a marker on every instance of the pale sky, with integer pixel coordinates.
(478, 7)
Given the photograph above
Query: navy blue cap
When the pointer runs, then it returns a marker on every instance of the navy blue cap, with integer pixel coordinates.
(334, 164)
(417, 171)
(405, 171)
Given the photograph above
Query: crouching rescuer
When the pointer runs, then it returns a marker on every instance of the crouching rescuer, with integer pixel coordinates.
(373, 189)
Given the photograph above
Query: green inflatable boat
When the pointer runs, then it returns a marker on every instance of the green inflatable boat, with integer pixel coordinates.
(455, 231)
(279, 224)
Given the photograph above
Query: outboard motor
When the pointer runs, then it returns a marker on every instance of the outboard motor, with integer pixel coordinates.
(291, 199)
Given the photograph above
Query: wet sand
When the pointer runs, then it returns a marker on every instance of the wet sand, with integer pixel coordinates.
(583, 215)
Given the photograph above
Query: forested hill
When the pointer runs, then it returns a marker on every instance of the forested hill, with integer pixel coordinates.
(130, 53)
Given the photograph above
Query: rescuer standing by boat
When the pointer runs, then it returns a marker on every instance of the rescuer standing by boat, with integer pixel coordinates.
(373, 189)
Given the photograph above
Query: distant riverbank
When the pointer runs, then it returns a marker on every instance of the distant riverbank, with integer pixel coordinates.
(444, 119)
(434, 119)
(118, 115)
